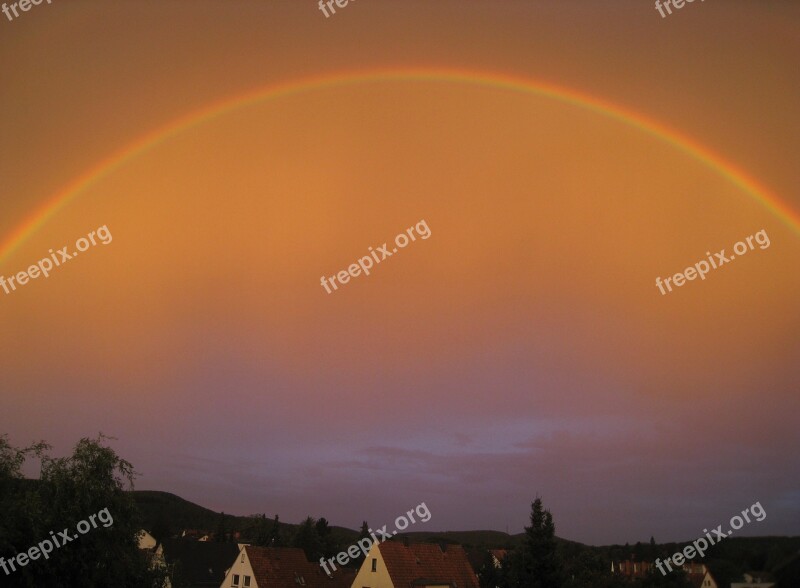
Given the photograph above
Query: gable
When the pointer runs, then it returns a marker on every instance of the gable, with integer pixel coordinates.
(379, 578)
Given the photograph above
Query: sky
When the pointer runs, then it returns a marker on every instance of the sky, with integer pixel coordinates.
(560, 157)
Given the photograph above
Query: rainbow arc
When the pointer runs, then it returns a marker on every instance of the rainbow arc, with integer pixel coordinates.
(53, 205)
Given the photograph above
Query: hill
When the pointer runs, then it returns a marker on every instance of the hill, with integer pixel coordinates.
(163, 509)
(155, 507)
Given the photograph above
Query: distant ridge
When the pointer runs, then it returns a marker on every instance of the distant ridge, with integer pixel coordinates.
(183, 514)
(180, 513)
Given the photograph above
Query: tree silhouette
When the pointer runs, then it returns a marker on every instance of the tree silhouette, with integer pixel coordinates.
(325, 534)
(162, 527)
(93, 481)
(537, 564)
(275, 535)
(263, 532)
(307, 538)
(221, 534)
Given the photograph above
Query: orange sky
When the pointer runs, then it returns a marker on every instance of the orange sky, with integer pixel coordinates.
(522, 349)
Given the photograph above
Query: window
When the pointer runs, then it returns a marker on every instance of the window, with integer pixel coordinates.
(242, 557)
(374, 564)
(246, 581)
(235, 581)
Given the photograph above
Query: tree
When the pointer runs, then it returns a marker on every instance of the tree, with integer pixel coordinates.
(325, 534)
(221, 535)
(263, 532)
(307, 538)
(92, 482)
(675, 579)
(275, 535)
(19, 500)
(362, 534)
(652, 552)
(162, 527)
(537, 564)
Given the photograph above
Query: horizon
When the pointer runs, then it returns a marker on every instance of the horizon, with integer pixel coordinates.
(410, 532)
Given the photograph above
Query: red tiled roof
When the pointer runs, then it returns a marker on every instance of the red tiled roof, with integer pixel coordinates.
(284, 567)
(425, 562)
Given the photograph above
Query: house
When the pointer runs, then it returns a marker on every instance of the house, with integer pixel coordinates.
(631, 569)
(699, 575)
(197, 535)
(280, 567)
(755, 580)
(195, 564)
(396, 565)
(146, 540)
(498, 555)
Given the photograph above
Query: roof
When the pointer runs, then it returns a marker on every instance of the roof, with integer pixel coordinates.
(408, 565)
(499, 554)
(694, 567)
(696, 579)
(287, 567)
(201, 564)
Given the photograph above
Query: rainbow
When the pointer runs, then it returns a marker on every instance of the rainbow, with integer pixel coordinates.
(53, 205)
